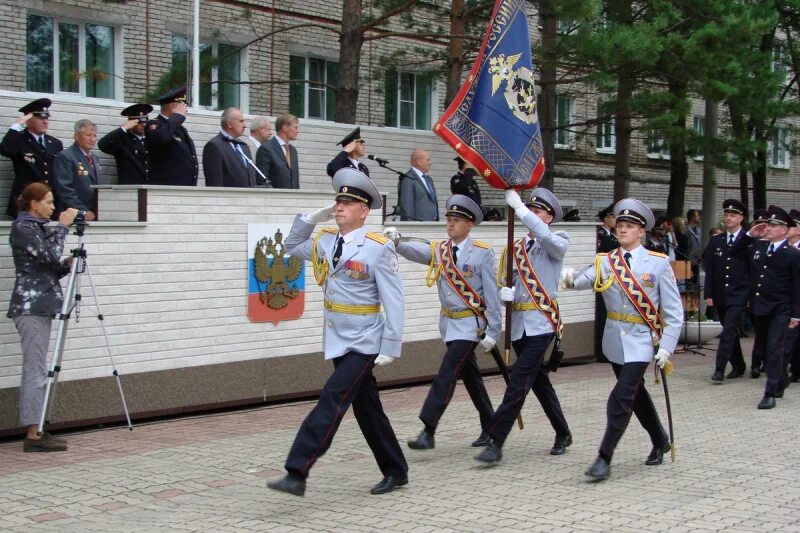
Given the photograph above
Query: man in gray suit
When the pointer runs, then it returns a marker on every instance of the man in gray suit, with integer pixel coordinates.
(416, 191)
(226, 159)
(277, 158)
(76, 170)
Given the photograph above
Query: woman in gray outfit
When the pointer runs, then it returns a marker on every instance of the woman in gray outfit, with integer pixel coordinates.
(36, 299)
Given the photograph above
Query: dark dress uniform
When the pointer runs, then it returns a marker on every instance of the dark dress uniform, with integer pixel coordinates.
(726, 261)
(128, 149)
(775, 271)
(464, 183)
(173, 159)
(342, 160)
(32, 159)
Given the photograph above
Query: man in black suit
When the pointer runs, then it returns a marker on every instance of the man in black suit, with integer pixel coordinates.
(30, 149)
(463, 181)
(76, 169)
(352, 151)
(277, 158)
(726, 261)
(775, 271)
(226, 159)
(126, 144)
(173, 159)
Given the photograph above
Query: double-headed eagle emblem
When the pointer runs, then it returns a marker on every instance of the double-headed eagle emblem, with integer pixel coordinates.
(275, 272)
(520, 91)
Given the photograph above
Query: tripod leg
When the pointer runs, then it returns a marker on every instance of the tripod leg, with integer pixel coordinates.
(54, 369)
(101, 318)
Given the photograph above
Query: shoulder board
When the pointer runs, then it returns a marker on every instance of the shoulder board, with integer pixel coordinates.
(380, 238)
(602, 254)
(481, 244)
(657, 254)
(332, 231)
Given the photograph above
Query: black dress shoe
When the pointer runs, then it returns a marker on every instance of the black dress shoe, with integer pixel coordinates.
(767, 402)
(754, 373)
(424, 441)
(735, 373)
(718, 376)
(599, 470)
(794, 378)
(778, 394)
(561, 444)
(291, 483)
(491, 454)
(388, 484)
(656, 456)
(481, 441)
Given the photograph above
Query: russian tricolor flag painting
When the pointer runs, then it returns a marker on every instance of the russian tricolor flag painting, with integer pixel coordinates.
(276, 282)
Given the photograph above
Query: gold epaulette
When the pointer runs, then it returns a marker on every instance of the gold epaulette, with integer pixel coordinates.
(603, 254)
(332, 231)
(481, 244)
(657, 254)
(380, 238)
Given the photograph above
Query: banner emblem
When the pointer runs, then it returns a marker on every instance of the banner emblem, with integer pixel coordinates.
(276, 281)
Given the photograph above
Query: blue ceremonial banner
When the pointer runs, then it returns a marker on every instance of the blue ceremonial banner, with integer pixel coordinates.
(493, 123)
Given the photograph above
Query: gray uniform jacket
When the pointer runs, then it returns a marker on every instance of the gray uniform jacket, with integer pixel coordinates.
(74, 176)
(478, 264)
(546, 256)
(416, 203)
(271, 161)
(625, 342)
(371, 278)
(37, 252)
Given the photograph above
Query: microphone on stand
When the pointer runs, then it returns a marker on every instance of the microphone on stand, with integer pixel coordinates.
(378, 160)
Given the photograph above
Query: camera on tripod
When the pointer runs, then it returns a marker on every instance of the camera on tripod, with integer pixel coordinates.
(80, 222)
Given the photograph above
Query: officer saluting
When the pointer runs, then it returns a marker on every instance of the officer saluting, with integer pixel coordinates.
(358, 274)
(535, 319)
(775, 271)
(126, 144)
(173, 159)
(636, 284)
(463, 182)
(352, 151)
(465, 272)
(727, 286)
(30, 149)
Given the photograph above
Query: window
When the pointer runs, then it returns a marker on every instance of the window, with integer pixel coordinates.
(220, 71)
(657, 147)
(778, 149)
(70, 57)
(699, 127)
(781, 61)
(313, 98)
(409, 99)
(565, 107)
(606, 140)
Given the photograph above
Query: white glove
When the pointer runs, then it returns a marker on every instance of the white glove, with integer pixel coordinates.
(662, 357)
(513, 200)
(507, 294)
(567, 280)
(392, 234)
(383, 360)
(320, 215)
(487, 343)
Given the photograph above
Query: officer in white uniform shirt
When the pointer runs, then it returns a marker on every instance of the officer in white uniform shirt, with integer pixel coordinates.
(629, 339)
(534, 321)
(465, 273)
(358, 273)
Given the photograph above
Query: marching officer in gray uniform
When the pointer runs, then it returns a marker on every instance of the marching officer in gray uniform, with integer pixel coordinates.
(358, 273)
(465, 273)
(535, 320)
(636, 283)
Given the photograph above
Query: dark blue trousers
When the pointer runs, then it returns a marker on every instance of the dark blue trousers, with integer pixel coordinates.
(628, 397)
(527, 374)
(352, 382)
(776, 341)
(729, 349)
(458, 361)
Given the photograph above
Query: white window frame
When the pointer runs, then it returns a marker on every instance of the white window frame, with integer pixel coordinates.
(611, 148)
(118, 74)
(661, 144)
(570, 145)
(244, 93)
(433, 97)
(779, 149)
(699, 127)
(778, 61)
(307, 87)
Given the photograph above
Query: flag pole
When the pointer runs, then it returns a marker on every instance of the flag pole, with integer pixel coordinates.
(509, 283)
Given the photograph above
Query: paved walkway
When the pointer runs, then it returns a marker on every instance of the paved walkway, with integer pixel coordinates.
(737, 469)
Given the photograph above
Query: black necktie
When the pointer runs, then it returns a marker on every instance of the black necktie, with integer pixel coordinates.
(41, 141)
(338, 252)
(529, 246)
(627, 257)
(771, 249)
(730, 240)
(455, 255)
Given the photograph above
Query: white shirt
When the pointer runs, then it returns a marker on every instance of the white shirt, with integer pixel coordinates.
(422, 179)
(636, 255)
(735, 235)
